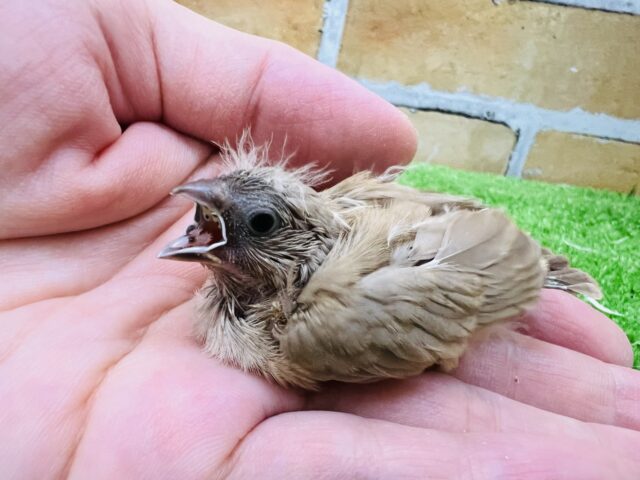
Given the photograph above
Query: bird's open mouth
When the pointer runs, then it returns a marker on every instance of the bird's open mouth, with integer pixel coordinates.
(207, 233)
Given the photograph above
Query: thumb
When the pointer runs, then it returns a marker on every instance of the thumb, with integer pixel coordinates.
(210, 82)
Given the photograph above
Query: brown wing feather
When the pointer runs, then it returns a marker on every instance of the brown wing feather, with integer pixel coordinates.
(376, 308)
(366, 189)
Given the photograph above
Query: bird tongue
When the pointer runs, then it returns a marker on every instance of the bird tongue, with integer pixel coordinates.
(203, 233)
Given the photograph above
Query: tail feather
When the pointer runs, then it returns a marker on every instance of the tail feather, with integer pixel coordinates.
(562, 276)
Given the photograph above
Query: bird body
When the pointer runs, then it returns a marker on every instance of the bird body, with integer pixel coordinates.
(362, 281)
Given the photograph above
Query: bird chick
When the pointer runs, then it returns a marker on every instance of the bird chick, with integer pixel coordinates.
(363, 281)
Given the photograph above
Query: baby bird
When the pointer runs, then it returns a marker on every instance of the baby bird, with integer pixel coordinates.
(363, 281)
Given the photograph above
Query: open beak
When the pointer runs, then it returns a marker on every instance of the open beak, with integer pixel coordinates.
(207, 233)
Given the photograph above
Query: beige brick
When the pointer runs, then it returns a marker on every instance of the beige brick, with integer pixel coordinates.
(296, 22)
(461, 142)
(586, 161)
(552, 56)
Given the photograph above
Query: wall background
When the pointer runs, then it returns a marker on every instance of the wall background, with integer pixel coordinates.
(547, 90)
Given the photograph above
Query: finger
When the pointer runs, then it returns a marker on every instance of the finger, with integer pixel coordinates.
(442, 402)
(123, 302)
(127, 178)
(554, 378)
(72, 263)
(333, 445)
(211, 82)
(565, 320)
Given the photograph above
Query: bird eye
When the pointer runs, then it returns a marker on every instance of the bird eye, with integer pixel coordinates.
(263, 222)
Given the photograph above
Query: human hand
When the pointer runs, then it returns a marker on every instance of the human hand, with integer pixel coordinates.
(99, 377)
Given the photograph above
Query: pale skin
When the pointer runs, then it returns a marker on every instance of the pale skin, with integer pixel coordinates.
(99, 376)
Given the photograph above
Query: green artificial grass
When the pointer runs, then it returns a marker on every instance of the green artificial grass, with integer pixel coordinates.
(599, 231)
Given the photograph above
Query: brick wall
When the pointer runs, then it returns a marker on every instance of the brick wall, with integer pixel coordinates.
(547, 90)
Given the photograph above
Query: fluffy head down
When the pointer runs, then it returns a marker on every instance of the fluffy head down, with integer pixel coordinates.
(247, 156)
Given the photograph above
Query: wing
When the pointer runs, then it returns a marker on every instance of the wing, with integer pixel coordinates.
(381, 307)
(365, 189)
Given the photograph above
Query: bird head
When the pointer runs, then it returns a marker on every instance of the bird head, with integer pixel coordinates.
(263, 223)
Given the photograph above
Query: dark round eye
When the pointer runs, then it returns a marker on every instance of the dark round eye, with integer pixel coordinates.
(263, 222)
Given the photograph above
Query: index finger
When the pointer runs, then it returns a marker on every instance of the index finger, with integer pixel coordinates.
(567, 321)
(211, 82)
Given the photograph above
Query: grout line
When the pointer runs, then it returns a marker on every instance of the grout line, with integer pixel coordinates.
(520, 152)
(617, 6)
(518, 116)
(334, 17)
